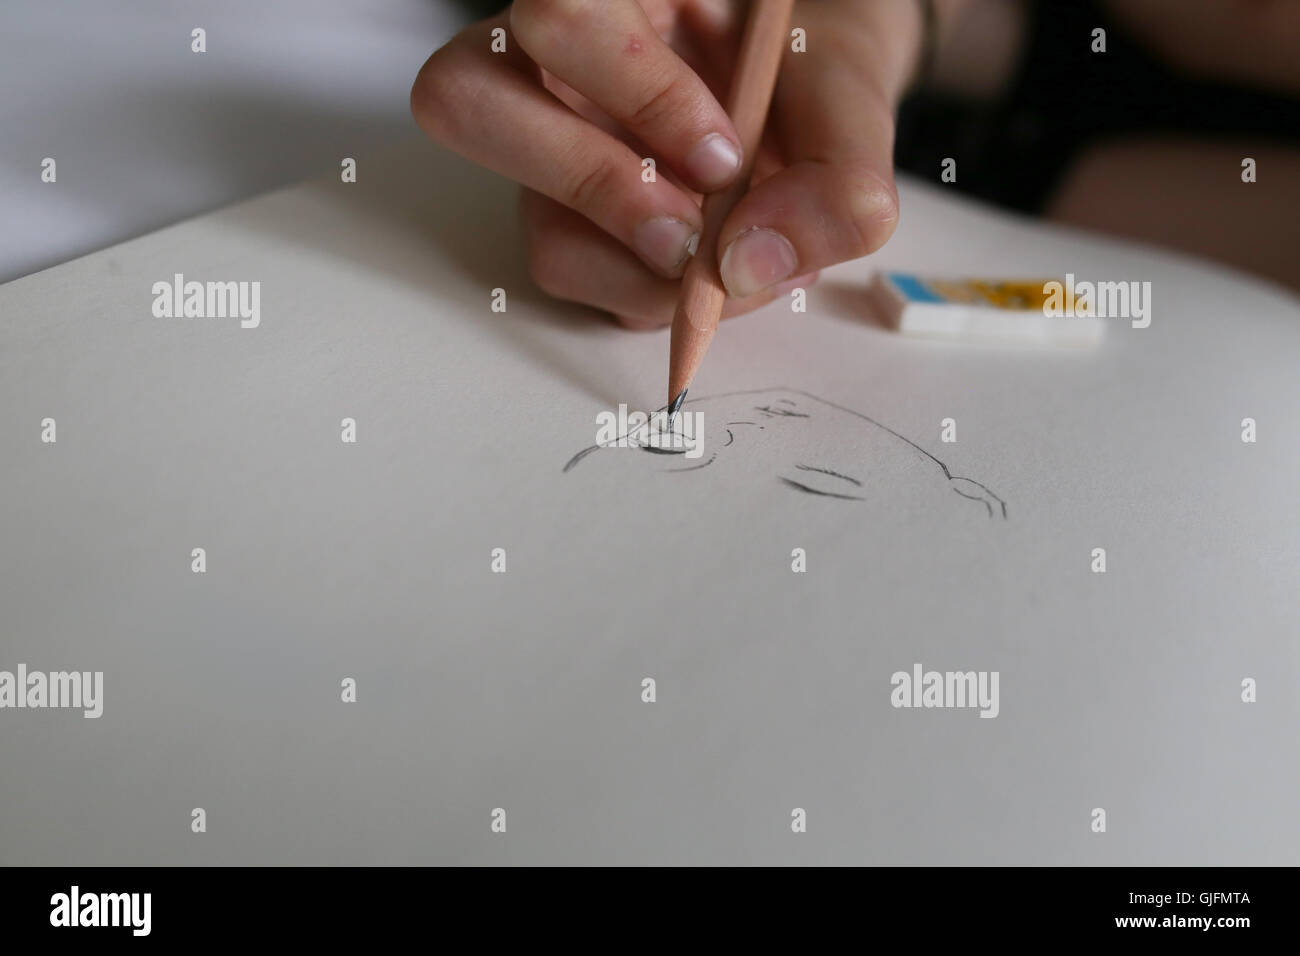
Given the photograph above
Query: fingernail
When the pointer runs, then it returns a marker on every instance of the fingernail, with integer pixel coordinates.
(666, 243)
(713, 161)
(755, 260)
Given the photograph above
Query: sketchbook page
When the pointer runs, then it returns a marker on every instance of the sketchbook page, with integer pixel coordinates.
(326, 561)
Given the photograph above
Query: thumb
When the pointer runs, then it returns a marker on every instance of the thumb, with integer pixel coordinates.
(835, 200)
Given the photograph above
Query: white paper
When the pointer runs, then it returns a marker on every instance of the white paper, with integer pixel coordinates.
(522, 690)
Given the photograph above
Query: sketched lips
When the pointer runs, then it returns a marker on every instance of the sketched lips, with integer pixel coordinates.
(827, 489)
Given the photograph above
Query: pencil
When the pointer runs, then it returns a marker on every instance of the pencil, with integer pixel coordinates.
(699, 306)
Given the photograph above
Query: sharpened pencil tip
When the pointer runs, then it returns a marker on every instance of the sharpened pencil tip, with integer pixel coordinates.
(675, 405)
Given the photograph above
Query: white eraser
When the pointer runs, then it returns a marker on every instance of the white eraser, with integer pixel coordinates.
(1008, 312)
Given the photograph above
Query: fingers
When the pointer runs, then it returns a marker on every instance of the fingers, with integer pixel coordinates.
(836, 199)
(488, 108)
(570, 258)
(608, 51)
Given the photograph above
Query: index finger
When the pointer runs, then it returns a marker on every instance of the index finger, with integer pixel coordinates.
(608, 51)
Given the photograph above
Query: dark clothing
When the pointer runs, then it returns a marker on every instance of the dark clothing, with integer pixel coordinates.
(1063, 98)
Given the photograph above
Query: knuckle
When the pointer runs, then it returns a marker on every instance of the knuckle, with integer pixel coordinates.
(535, 22)
(592, 189)
(870, 209)
(443, 91)
(546, 264)
(661, 100)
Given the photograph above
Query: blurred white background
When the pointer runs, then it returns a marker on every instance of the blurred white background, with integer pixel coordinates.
(146, 133)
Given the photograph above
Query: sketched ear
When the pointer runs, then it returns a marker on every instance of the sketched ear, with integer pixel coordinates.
(974, 491)
(815, 480)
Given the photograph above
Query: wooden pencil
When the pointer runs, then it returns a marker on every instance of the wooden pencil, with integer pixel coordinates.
(699, 306)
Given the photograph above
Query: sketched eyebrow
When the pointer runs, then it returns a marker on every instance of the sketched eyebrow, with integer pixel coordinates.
(742, 423)
(827, 471)
(768, 409)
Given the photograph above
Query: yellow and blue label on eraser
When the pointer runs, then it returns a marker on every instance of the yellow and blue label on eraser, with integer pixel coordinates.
(1007, 311)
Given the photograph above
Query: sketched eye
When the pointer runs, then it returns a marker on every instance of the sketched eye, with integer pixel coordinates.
(660, 442)
(703, 464)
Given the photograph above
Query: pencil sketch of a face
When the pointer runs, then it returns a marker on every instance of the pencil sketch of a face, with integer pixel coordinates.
(810, 446)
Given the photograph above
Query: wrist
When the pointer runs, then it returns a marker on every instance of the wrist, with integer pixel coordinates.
(905, 38)
(894, 36)
(929, 45)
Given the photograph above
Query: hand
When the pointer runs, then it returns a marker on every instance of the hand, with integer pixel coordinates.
(586, 88)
